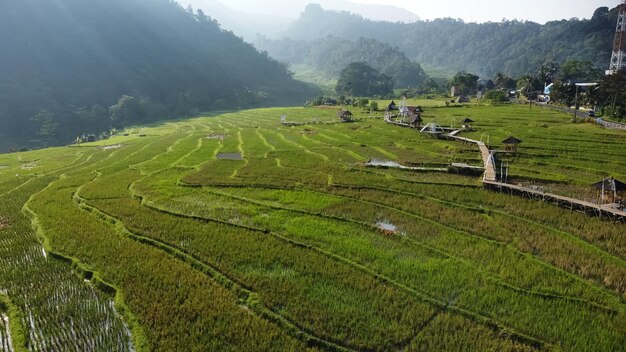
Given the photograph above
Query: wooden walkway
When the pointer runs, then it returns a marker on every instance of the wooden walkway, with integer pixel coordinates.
(601, 211)
(614, 125)
(488, 160)
(490, 182)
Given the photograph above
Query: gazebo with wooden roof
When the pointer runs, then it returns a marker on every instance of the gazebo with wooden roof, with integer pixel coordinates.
(511, 144)
(610, 190)
(467, 123)
(345, 115)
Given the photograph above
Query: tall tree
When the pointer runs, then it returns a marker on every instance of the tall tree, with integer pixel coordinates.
(503, 81)
(546, 72)
(578, 70)
(360, 79)
(468, 82)
(611, 95)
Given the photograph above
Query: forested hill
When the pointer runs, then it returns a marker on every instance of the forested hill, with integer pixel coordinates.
(331, 55)
(65, 64)
(511, 47)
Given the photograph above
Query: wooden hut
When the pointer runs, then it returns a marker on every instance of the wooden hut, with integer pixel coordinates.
(511, 144)
(345, 115)
(416, 120)
(467, 123)
(610, 190)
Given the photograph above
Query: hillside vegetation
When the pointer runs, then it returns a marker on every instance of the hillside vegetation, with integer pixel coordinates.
(232, 232)
(330, 55)
(63, 63)
(512, 47)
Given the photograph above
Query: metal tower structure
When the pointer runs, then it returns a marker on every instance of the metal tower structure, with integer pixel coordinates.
(618, 59)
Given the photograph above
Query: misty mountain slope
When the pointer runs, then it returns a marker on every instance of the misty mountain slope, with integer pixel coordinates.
(272, 18)
(293, 8)
(331, 55)
(242, 23)
(71, 57)
(512, 47)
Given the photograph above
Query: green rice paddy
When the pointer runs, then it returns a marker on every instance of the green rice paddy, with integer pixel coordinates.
(291, 243)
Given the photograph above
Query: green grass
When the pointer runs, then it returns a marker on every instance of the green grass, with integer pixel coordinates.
(308, 74)
(282, 251)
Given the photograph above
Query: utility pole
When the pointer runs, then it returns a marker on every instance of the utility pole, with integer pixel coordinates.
(575, 105)
(506, 175)
(576, 99)
(618, 58)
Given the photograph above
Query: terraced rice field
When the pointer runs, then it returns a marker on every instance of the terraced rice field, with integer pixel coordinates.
(291, 243)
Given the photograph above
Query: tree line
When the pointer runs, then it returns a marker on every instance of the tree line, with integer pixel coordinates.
(552, 82)
(511, 47)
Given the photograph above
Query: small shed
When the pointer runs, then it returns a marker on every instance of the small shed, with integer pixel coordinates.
(511, 144)
(610, 190)
(345, 115)
(392, 106)
(467, 123)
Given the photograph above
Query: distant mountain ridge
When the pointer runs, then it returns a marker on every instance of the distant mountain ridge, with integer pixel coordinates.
(512, 47)
(272, 18)
(242, 23)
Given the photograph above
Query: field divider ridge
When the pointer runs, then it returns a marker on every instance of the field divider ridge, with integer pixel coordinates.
(443, 306)
(138, 336)
(428, 247)
(247, 297)
(485, 210)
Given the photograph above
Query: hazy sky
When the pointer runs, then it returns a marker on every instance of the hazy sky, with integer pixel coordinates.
(494, 10)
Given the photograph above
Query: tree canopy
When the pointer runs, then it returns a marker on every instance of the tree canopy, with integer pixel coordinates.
(511, 47)
(467, 82)
(331, 54)
(360, 79)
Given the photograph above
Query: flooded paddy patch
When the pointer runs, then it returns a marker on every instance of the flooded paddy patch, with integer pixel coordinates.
(229, 156)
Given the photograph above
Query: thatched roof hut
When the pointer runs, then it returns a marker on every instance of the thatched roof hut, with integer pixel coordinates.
(512, 141)
(611, 185)
(611, 189)
(345, 115)
(511, 144)
(416, 120)
(467, 123)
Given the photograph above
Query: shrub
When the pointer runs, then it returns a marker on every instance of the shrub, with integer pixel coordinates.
(496, 96)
